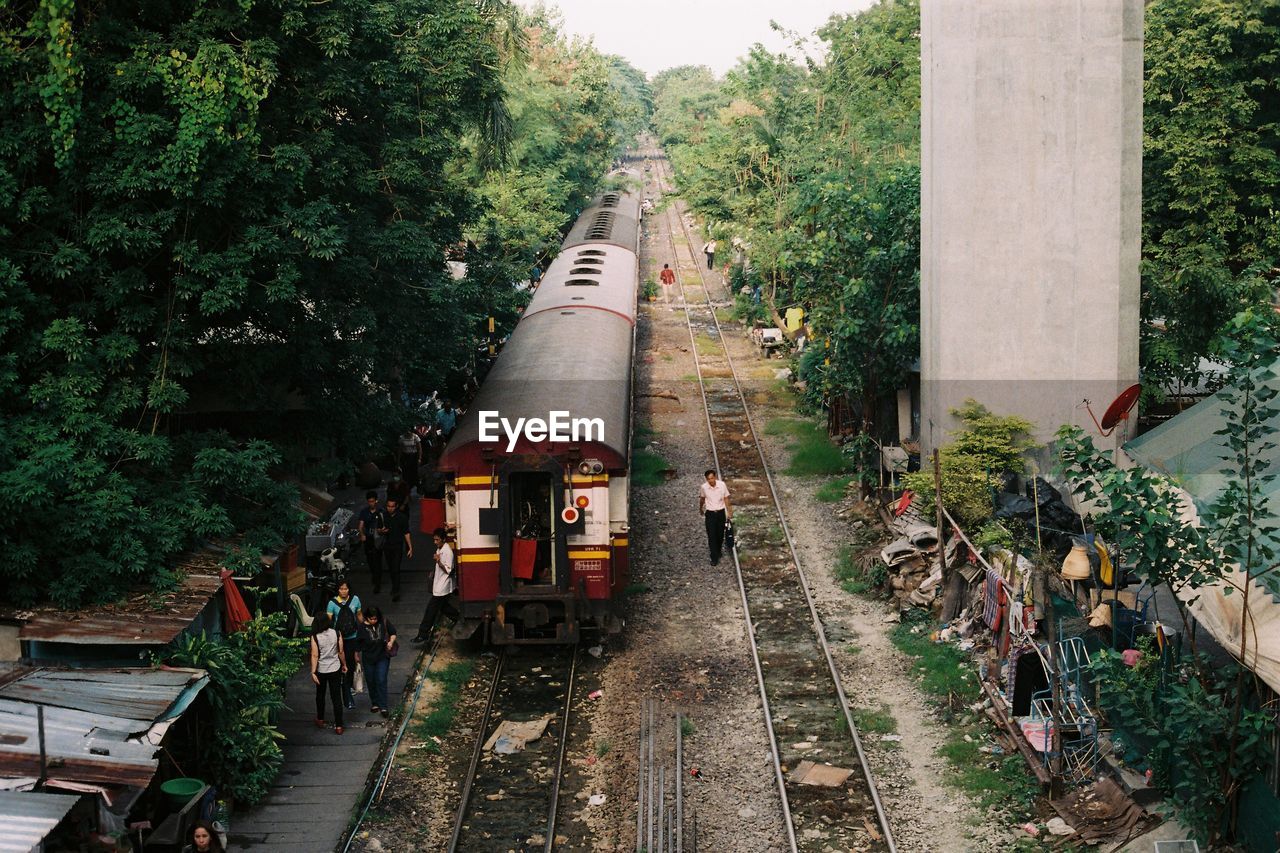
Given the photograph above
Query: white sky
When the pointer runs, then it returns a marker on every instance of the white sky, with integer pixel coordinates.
(658, 34)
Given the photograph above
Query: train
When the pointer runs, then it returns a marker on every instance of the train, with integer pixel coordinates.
(536, 475)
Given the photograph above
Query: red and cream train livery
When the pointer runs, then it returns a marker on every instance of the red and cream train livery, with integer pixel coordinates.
(536, 473)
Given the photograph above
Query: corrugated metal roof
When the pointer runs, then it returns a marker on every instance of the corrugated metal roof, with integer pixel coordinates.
(93, 731)
(28, 818)
(143, 695)
(142, 619)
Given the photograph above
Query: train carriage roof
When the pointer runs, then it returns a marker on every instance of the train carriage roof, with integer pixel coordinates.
(556, 360)
(612, 217)
(590, 275)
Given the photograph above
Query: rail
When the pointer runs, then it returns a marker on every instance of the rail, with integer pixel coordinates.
(816, 621)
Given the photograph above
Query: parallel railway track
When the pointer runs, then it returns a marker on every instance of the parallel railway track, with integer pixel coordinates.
(806, 709)
(511, 802)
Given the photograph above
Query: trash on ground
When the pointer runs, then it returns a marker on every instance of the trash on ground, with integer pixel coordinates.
(1030, 829)
(891, 738)
(595, 694)
(595, 651)
(827, 775)
(596, 800)
(1058, 826)
(511, 736)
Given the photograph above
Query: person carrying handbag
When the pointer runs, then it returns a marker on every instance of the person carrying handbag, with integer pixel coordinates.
(328, 667)
(379, 646)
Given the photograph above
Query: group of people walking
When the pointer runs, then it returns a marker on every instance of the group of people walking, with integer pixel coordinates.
(350, 636)
(344, 638)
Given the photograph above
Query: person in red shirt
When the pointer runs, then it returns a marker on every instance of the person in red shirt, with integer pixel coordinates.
(668, 275)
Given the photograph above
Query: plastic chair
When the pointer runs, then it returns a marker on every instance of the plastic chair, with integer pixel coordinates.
(304, 619)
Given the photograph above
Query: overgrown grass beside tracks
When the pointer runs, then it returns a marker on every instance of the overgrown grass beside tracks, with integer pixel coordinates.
(947, 676)
(833, 491)
(439, 720)
(812, 452)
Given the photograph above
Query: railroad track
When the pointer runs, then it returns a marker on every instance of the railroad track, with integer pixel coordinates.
(509, 801)
(807, 712)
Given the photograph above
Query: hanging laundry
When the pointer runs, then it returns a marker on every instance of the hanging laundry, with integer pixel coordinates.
(794, 319)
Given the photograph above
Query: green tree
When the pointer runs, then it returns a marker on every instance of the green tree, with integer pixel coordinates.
(1211, 169)
(216, 215)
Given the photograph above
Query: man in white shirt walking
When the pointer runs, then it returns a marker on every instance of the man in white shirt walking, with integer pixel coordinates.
(442, 586)
(713, 503)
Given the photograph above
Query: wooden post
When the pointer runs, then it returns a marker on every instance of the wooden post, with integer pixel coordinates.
(937, 505)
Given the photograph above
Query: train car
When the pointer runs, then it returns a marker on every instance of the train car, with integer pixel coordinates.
(536, 474)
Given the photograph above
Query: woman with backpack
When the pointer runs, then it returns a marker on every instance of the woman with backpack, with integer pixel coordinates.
(379, 647)
(344, 613)
(327, 669)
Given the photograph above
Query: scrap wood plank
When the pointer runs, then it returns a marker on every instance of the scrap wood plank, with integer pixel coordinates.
(998, 714)
(826, 775)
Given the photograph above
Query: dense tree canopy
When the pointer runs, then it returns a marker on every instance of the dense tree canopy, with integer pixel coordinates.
(223, 231)
(807, 164)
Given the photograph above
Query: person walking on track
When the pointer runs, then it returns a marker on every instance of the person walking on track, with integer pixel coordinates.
(668, 275)
(328, 667)
(709, 248)
(373, 535)
(442, 586)
(713, 503)
(399, 544)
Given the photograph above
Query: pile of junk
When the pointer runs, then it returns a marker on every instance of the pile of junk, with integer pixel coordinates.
(1033, 627)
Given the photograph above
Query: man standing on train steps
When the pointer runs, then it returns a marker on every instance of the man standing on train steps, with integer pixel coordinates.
(713, 503)
(442, 586)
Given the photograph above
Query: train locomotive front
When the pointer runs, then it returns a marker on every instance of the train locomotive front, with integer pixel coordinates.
(536, 473)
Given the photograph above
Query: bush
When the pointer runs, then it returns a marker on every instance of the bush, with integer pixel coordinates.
(248, 670)
(984, 447)
(997, 441)
(966, 488)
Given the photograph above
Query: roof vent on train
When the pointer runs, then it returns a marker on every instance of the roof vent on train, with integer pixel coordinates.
(593, 253)
(585, 271)
(581, 282)
(596, 261)
(609, 200)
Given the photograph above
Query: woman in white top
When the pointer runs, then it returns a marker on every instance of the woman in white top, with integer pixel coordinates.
(713, 503)
(328, 664)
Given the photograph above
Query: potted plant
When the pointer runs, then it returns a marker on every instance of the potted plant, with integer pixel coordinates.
(650, 289)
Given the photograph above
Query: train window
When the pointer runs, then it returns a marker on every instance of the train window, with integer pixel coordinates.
(581, 282)
(584, 271)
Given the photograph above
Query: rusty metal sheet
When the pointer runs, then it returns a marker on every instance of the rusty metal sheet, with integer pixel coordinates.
(1103, 812)
(143, 619)
(140, 695)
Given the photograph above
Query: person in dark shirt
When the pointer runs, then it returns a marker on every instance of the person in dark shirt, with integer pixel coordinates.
(399, 543)
(372, 523)
(399, 489)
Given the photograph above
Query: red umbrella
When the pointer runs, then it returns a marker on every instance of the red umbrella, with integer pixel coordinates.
(237, 611)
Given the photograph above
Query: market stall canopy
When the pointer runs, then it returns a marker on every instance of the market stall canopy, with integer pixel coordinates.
(1188, 450)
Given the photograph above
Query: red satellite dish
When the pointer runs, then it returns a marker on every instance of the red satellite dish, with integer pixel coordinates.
(1117, 412)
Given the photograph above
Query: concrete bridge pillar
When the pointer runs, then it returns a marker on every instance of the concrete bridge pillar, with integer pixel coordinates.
(1031, 186)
